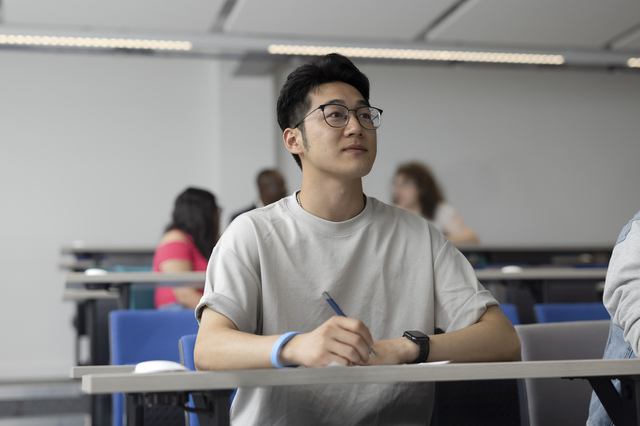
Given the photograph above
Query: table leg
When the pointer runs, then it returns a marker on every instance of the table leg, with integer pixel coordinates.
(212, 407)
(622, 407)
(135, 409)
(125, 295)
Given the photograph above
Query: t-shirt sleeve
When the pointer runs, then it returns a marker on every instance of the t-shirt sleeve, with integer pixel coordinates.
(460, 299)
(173, 250)
(234, 273)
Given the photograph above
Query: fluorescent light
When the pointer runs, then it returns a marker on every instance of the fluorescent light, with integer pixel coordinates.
(416, 54)
(634, 62)
(94, 42)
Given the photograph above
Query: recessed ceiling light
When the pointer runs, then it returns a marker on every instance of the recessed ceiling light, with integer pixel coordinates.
(94, 42)
(416, 54)
(634, 62)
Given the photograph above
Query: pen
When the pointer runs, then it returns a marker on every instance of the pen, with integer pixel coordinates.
(338, 311)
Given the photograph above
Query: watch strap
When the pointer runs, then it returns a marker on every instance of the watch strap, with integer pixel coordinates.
(422, 340)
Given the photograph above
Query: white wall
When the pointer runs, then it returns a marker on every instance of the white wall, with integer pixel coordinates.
(528, 156)
(95, 148)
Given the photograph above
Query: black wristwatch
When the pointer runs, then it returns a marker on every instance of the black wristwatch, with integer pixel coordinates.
(422, 340)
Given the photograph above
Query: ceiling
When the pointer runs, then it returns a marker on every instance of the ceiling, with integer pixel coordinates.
(588, 32)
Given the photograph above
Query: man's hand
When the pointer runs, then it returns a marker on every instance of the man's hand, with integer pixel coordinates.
(340, 339)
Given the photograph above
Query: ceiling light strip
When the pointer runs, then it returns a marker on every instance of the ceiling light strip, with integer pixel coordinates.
(415, 54)
(634, 62)
(94, 42)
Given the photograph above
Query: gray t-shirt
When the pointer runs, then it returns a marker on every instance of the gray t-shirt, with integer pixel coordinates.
(387, 267)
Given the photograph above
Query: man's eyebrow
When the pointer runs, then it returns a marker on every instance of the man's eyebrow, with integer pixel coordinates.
(342, 102)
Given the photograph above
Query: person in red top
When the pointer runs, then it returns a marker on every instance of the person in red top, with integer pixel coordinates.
(186, 245)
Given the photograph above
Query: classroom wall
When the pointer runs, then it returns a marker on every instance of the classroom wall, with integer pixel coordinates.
(95, 148)
(533, 156)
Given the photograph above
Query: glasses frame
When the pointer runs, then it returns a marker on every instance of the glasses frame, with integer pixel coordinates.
(323, 106)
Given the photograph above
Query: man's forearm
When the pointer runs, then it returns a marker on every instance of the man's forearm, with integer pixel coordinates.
(220, 346)
(492, 338)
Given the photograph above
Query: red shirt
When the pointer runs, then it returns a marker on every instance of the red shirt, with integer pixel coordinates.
(176, 250)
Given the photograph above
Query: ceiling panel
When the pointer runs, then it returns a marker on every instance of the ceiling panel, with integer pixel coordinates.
(195, 16)
(543, 23)
(338, 19)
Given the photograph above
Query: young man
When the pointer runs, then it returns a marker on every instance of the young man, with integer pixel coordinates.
(389, 269)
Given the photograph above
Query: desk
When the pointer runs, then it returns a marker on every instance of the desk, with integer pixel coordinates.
(95, 297)
(542, 274)
(598, 372)
(537, 255)
(539, 284)
(88, 256)
(122, 281)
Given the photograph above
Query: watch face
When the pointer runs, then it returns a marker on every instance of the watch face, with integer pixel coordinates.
(416, 334)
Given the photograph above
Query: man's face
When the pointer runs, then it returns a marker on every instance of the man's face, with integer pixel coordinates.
(272, 188)
(347, 152)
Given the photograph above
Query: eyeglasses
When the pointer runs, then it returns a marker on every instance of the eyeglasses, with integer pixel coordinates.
(337, 116)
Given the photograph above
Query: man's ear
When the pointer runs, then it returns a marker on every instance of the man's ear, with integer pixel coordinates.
(292, 140)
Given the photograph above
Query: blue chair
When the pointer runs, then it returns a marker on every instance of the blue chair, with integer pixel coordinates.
(561, 312)
(187, 345)
(511, 312)
(146, 335)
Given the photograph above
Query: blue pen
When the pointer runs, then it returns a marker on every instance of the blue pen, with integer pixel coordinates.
(338, 311)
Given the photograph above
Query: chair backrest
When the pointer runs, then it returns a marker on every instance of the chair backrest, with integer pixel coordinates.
(511, 312)
(147, 335)
(558, 312)
(554, 401)
(187, 346)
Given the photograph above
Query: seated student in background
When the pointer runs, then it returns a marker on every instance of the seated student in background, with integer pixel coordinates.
(271, 187)
(622, 300)
(390, 271)
(186, 245)
(415, 189)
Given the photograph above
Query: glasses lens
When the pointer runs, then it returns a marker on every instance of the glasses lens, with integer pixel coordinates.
(368, 117)
(336, 115)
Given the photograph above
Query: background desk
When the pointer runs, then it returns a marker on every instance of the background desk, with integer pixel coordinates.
(543, 284)
(537, 255)
(92, 319)
(594, 370)
(121, 282)
(91, 256)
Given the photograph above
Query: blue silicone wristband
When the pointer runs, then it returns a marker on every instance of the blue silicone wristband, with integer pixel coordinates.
(275, 350)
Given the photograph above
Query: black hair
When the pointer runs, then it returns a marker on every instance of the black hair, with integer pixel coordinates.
(195, 212)
(294, 100)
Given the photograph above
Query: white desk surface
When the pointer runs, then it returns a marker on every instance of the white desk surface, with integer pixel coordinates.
(107, 249)
(527, 273)
(74, 278)
(77, 372)
(80, 294)
(542, 273)
(212, 380)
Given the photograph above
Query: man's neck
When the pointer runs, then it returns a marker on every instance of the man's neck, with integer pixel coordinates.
(333, 201)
